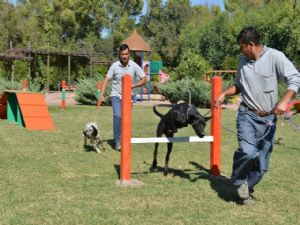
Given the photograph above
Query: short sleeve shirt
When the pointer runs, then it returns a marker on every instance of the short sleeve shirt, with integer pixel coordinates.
(117, 71)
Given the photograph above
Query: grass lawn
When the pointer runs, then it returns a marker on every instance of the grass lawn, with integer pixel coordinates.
(48, 178)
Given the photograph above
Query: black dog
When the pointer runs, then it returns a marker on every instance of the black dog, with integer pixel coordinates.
(181, 115)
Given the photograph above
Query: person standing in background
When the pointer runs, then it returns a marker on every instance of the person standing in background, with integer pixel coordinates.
(115, 73)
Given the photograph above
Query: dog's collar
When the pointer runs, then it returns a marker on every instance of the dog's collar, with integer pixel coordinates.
(188, 110)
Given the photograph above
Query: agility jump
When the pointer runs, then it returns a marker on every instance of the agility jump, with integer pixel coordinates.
(127, 140)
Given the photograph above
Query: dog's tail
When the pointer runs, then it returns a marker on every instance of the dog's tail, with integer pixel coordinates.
(157, 113)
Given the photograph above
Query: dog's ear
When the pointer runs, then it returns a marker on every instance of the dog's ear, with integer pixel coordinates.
(95, 131)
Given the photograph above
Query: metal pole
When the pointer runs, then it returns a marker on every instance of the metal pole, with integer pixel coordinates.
(126, 128)
(215, 128)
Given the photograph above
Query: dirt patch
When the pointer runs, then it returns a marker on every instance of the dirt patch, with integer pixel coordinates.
(55, 98)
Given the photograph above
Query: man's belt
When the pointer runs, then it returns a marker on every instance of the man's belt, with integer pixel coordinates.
(259, 113)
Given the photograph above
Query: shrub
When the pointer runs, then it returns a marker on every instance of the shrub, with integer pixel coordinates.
(6, 84)
(34, 86)
(86, 91)
(191, 65)
(178, 90)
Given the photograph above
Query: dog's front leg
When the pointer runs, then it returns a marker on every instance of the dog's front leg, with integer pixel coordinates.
(100, 142)
(85, 142)
(96, 148)
(159, 133)
(154, 163)
(95, 145)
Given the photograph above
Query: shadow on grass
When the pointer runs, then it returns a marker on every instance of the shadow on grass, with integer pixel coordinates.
(171, 172)
(89, 148)
(110, 142)
(118, 169)
(221, 184)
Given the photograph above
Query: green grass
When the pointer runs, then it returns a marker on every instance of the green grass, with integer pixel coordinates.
(48, 178)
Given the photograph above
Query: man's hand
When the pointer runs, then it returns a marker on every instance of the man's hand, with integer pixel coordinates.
(220, 100)
(280, 108)
(102, 99)
(232, 90)
(140, 83)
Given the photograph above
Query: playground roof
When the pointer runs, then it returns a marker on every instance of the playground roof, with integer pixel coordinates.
(136, 43)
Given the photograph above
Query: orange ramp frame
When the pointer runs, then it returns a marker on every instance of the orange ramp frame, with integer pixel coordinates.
(29, 110)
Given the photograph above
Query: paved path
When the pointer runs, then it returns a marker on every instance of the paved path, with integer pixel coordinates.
(54, 98)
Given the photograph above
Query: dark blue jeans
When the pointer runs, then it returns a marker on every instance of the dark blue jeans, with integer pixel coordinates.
(251, 159)
(116, 106)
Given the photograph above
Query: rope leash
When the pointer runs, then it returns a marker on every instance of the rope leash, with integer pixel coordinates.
(270, 124)
(96, 113)
(295, 127)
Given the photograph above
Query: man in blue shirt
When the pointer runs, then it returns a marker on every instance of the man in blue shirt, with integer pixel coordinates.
(115, 73)
(257, 82)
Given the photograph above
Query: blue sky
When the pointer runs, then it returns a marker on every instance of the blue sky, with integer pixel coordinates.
(198, 2)
(209, 2)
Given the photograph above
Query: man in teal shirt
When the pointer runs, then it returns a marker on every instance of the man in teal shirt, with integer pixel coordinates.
(257, 82)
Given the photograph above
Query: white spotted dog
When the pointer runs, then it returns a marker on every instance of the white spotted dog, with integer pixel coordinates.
(91, 132)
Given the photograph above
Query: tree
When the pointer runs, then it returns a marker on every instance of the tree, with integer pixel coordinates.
(276, 20)
(8, 31)
(191, 65)
(121, 18)
(214, 44)
(163, 24)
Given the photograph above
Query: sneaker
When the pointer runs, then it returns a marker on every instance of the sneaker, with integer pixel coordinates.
(118, 147)
(249, 201)
(243, 191)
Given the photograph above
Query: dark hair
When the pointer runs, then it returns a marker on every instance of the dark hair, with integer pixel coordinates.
(123, 47)
(247, 35)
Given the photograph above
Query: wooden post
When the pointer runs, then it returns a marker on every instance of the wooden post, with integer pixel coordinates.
(29, 63)
(141, 88)
(12, 78)
(126, 128)
(215, 146)
(13, 71)
(149, 81)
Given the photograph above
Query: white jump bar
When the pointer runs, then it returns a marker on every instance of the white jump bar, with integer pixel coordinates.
(168, 140)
